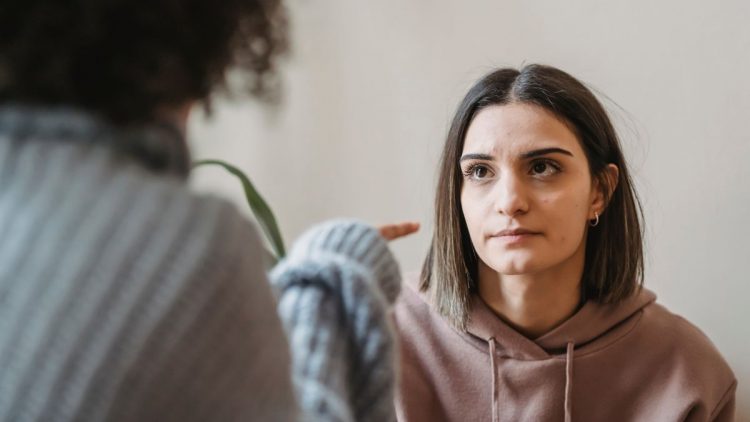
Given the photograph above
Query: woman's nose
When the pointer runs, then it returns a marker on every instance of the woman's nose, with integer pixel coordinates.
(510, 196)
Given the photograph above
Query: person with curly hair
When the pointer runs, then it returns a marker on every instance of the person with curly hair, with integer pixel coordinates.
(124, 296)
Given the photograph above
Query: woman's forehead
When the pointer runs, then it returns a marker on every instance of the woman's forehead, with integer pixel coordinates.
(511, 130)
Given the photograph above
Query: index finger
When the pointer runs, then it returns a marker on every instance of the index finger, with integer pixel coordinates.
(394, 231)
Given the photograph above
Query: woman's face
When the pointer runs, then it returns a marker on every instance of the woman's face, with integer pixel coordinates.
(527, 193)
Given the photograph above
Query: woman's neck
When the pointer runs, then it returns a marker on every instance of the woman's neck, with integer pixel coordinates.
(534, 304)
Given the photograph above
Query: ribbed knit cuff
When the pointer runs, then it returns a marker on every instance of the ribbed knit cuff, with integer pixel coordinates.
(358, 242)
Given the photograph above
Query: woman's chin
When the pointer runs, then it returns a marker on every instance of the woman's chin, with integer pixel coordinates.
(514, 267)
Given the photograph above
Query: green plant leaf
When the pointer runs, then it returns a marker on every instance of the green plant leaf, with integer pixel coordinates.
(258, 205)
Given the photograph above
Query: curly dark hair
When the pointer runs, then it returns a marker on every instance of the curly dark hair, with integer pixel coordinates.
(127, 59)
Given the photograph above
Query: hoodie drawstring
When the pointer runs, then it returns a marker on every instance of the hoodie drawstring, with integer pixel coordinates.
(569, 382)
(495, 414)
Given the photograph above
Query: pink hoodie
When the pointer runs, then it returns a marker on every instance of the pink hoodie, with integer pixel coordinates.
(634, 361)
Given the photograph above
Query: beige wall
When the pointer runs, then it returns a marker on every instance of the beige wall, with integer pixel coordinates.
(371, 85)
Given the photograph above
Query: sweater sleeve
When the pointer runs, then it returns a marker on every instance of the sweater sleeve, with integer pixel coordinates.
(334, 290)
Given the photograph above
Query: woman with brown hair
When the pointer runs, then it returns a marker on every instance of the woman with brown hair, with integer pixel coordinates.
(530, 303)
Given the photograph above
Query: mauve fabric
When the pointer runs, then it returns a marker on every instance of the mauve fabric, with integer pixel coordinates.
(634, 361)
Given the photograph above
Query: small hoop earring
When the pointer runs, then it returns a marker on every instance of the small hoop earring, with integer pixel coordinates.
(596, 220)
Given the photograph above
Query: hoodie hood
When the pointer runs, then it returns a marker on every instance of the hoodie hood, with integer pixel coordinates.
(592, 322)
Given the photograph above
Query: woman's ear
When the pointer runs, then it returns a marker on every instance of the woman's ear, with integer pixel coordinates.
(604, 186)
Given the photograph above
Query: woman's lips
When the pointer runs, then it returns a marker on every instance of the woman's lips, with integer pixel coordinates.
(514, 235)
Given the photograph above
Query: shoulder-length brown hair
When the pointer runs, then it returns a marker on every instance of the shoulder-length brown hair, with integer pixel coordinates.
(614, 249)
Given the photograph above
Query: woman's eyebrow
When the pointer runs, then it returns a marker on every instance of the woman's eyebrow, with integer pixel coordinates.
(544, 151)
(525, 155)
(485, 157)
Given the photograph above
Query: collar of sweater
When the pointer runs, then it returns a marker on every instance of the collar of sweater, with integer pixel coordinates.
(158, 146)
(594, 322)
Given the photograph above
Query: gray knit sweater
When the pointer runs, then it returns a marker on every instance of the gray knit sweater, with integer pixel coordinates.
(335, 288)
(125, 297)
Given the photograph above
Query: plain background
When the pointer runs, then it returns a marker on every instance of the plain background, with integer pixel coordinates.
(370, 87)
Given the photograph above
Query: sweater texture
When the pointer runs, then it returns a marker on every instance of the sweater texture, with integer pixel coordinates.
(335, 290)
(125, 297)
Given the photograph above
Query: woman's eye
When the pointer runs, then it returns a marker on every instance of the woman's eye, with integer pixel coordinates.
(544, 168)
(540, 168)
(476, 172)
(479, 172)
